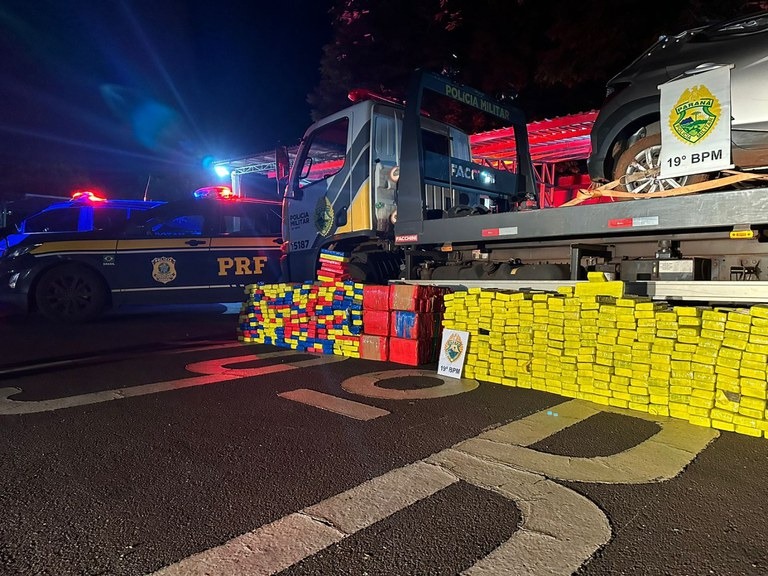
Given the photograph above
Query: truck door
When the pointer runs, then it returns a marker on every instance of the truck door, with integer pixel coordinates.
(319, 193)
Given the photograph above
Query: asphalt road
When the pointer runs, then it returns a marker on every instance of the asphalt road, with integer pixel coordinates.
(153, 442)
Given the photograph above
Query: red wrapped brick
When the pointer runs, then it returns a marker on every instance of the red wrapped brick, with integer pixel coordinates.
(376, 322)
(416, 298)
(412, 325)
(376, 297)
(374, 347)
(411, 352)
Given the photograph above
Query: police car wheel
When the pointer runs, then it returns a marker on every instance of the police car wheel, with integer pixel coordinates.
(70, 293)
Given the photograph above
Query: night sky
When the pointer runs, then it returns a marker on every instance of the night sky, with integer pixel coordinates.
(143, 86)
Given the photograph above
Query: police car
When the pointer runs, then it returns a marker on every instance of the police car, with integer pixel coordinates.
(85, 211)
(205, 249)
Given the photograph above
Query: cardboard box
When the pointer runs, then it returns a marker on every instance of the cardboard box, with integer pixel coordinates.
(374, 347)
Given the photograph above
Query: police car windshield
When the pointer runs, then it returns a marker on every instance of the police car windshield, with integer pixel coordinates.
(65, 220)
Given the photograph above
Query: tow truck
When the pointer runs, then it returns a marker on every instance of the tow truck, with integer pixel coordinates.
(400, 192)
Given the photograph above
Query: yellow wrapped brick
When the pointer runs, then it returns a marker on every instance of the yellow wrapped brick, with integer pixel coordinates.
(728, 383)
(725, 426)
(705, 403)
(750, 413)
(724, 402)
(756, 348)
(700, 421)
(658, 410)
(746, 421)
(751, 373)
(759, 311)
(740, 316)
(756, 433)
(731, 340)
(724, 371)
(677, 410)
(711, 335)
(669, 334)
(714, 316)
(698, 411)
(737, 326)
(713, 325)
(752, 403)
(757, 358)
(704, 382)
(753, 388)
(722, 415)
(612, 288)
(688, 311)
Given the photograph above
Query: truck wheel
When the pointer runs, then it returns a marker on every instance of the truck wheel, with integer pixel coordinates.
(70, 293)
(641, 160)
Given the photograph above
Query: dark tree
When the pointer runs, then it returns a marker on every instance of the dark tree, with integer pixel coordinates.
(556, 54)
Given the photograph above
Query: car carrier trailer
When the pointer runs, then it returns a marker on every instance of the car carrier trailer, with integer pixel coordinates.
(400, 192)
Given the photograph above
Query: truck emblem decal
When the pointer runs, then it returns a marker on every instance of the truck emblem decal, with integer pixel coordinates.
(323, 216)
(164, 269)
(695, 114)
(406, 238)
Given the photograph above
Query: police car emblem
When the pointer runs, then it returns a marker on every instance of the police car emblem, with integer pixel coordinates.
(164, 269)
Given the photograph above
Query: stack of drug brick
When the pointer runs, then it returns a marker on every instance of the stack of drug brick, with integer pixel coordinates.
(401, 323)
(704, 365)
(333, 267)
(324, 317)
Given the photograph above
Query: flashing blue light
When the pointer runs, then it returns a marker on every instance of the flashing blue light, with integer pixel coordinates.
(221, 171)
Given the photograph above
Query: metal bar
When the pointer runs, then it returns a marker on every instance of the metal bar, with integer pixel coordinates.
(694, 291)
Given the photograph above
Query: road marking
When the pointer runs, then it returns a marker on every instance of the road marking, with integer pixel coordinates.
(661, 457)
(356, 410)
(214, 371)
(365, 385)
(560, 529)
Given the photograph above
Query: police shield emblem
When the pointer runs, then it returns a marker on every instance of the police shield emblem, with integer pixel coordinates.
(695, 114)
(164, 269)
(454, 348)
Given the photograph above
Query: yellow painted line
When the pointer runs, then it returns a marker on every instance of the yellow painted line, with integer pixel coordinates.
(163, 243)
(75, 246)
(350, 408)
(245, 242)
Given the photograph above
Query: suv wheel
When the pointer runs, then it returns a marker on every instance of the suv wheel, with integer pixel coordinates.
(638, 169)
(70, 293)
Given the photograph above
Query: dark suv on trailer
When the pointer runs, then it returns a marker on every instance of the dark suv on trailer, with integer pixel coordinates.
(626, 136)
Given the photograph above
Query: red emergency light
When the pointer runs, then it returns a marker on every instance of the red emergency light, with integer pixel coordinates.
(220, 192)
(88, 196)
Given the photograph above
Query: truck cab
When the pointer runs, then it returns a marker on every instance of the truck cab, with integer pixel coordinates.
(343, 189)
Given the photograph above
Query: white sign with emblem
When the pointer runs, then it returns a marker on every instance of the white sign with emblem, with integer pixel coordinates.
(696, 123)
(453, 351)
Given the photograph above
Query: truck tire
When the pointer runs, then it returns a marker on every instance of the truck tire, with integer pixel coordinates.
(644, 155)
(70, 293)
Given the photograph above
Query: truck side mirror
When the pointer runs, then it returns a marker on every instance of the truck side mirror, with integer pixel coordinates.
(341, 217)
